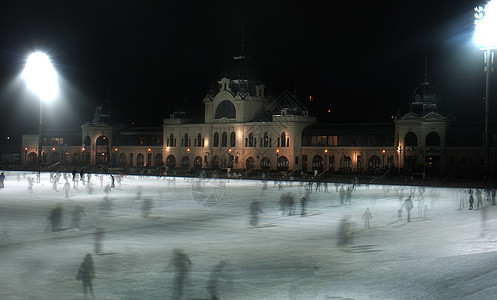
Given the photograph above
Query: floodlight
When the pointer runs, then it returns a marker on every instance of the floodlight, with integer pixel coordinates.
(486, 25)
(40, 76)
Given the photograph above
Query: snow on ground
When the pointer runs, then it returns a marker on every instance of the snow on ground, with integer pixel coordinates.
(444, 253)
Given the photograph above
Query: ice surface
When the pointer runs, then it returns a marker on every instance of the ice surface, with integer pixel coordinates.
(444, 253)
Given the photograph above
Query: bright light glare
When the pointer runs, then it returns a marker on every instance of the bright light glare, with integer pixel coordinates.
(486, 25)
(41, 76)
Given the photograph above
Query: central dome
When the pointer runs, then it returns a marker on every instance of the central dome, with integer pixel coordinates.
(243, 73)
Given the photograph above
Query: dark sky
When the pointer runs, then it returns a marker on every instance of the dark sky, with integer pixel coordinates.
(361, 60)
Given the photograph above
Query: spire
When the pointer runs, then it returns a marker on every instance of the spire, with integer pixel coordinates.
(243, 40)
(426, 70)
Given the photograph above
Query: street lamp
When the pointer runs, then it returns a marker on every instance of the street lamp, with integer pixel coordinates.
(41, 78)
(486, 38)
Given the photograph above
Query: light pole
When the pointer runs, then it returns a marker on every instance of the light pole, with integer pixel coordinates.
(485, 37)
(41, 78)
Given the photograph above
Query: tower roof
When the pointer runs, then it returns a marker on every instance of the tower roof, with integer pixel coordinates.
(426, 97)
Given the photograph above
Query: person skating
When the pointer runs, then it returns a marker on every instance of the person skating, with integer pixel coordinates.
(367, 218)
(216, 275)
(86, 273)
(2, 179)
(55, 218)
(255, 209)
(182, 265)
(77, 214)
(408, 207)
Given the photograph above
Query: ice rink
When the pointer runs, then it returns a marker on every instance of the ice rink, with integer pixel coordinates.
(443, 253)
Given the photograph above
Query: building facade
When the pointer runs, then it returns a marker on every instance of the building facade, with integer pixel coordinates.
(246, 129)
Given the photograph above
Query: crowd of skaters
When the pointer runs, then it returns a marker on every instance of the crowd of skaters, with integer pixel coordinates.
(181, 263)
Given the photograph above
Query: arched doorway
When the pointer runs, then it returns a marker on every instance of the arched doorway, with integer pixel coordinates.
(375, 162)
(171, 161)
(185, 162)
(32, 158)
(102, 150)
(197, 163)
(282, 164)
(317, 163)
(140, 160)
(158, 160)
(265, 163)
(250, 163)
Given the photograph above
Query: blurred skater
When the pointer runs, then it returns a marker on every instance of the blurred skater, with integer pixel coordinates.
(479, 200)
(367, 218)
(255, 209)
(2, 179)
(216, 275)
(146, 207)
(76, 215)
(86, 273)
(471, 199)
(408, 207)
(99, 237)
(67, 187)
(182, 265)
(345, 233)
(303, 204)
(55, 218)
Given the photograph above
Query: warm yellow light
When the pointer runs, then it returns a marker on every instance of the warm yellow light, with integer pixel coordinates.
(325, 150)
(53, 149)
(115, 149)
(149, 149)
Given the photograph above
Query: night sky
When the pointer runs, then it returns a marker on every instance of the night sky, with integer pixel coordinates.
(360, 60)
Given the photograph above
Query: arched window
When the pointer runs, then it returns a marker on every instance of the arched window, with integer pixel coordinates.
(140, 159)
(185, 162)
(224, 139)
(87, 141)
(283, 139)
(225, 109)
(411, 139)
(282, 163)
(265, 163)
(171, 161)
(433, 139)
(251, 140)
(185, 142)
(317, 162)
(171, 140)
(199, 140)
(232, 139)
(158, 159)
(102, 141)
(375, 162)
(266, 139)
(216, 139)
(250, 163)
(347, 162)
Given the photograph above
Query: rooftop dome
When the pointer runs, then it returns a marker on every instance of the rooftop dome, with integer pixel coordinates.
(243, 73)
(425, 98)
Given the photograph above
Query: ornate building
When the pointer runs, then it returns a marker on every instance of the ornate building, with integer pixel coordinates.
(246, 129)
